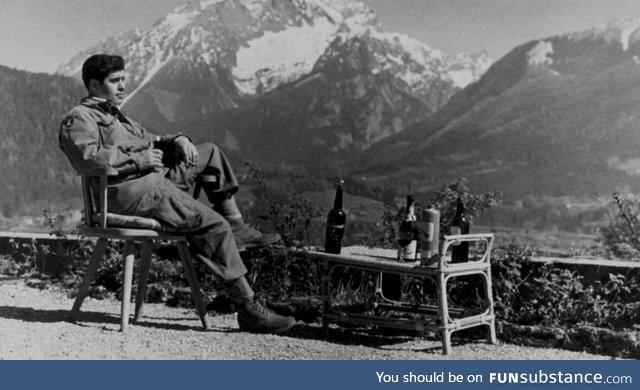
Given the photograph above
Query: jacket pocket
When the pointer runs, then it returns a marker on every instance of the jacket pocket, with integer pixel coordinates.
(108, 133)
(178, 213)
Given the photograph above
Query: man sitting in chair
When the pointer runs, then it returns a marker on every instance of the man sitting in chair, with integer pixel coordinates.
(155, 174)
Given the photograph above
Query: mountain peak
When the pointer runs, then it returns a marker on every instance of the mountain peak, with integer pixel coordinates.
(265, 43)
(555, 116)
(323, 71)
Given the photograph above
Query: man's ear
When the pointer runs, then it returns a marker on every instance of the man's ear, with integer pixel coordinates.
(94, 85)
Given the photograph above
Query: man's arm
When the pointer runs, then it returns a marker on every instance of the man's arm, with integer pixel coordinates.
(178, 146)
(79, 138)
(175, 147)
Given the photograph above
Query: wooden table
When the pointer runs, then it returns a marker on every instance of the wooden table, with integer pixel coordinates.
(437, 317)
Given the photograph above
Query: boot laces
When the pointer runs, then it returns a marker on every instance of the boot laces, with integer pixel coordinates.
(259, 308)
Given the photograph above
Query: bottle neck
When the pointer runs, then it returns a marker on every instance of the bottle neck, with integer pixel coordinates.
(460, 208)
(337, 202)
(410, 209)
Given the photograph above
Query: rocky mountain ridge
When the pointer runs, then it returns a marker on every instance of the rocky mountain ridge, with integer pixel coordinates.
(556, 116)
(318, 75)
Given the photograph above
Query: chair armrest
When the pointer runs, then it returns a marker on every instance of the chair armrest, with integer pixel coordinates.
(102, 171)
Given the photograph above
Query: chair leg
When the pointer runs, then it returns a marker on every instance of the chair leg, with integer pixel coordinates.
(89, 275)
(129, 251)
(143, 277)
(190, 273)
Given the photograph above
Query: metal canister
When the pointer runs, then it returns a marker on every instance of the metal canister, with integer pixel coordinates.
(430, 235)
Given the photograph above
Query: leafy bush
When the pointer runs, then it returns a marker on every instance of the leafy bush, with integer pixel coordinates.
(508, 276)
(280, 273)
(445, 200)
(285, 210)
(550, 295)
(620, 234)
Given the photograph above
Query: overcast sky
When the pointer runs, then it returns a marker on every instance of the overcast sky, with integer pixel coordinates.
(39, 35)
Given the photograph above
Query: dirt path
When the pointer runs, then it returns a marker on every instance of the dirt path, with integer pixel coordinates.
(32, 326)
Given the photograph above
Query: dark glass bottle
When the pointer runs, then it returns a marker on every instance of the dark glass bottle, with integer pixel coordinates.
(336, 220)
(408, 234)
(407, 251)
(460, 225)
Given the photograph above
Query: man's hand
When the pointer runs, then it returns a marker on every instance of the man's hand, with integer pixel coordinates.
(151, 159)
(186, 151)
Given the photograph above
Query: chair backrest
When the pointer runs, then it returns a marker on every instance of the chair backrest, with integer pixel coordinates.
(90, 208)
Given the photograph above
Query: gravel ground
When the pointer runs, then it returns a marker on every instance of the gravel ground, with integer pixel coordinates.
(33, 326)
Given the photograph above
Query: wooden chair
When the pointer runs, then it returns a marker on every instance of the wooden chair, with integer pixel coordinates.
(105, 226)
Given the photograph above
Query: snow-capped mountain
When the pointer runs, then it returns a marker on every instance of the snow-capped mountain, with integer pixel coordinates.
(320, 74)
(555, 116)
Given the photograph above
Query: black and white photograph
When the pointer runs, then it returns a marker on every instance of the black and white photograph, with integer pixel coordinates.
(320, 180)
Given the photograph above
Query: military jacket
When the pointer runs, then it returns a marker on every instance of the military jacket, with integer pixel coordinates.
(96, 139)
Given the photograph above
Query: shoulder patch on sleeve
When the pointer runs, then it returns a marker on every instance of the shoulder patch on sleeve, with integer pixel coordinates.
(67, 122)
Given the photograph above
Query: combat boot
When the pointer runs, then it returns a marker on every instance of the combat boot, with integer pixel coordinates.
(255, 318)
(248, 237)
(252, 315)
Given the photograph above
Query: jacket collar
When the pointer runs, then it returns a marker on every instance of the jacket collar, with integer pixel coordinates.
(104, 106)
(94, 102)
(91, 101)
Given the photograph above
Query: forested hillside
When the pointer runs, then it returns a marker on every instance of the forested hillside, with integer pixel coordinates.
(34, 172)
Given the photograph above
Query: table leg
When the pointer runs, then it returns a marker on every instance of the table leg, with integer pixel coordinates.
(443, 308)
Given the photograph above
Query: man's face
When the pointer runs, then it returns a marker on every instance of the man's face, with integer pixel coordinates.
(112, 88)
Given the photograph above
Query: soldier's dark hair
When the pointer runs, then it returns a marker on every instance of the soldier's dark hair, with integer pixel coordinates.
(99, 66)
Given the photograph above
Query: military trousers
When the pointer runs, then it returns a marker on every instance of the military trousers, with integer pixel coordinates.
(165, 196)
